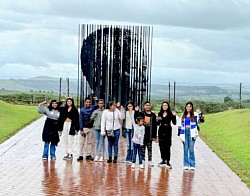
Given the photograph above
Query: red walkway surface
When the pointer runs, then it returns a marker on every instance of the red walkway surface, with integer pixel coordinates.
(23, 172)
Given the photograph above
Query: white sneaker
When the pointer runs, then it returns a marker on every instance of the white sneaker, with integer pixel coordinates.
(150, 163)
(141, 166)
(96, 159)
(101, 159)
(133, 165)
(186, 168)
(192, 168)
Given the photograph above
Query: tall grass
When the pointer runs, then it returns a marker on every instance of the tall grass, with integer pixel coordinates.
(228, 134)
(15, 117)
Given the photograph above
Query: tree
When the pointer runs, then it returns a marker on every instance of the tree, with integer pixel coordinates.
(227, 99)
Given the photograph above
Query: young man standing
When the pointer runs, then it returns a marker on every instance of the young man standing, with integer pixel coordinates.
(86, 129)
(150, 124)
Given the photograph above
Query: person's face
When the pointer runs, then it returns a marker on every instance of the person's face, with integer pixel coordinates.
(164, 106)
(100, 104)
(141, 122)
(69, 102)
(189, 107)
(147, 106)
(87, 103)
(130, 107)
(54, 105)
(112, 107)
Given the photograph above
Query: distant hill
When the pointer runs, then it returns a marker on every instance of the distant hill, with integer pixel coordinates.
(44, 83)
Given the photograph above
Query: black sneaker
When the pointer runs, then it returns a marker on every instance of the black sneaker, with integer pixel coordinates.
(80, 158)
(66, 157)
(169, 165)
(89, 157)
(163, 163)
(109, 160)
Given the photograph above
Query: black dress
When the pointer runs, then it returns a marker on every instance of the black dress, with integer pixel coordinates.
(50, 131)
(165, 135)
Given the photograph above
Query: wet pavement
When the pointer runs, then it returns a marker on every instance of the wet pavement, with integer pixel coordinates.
(23, 172)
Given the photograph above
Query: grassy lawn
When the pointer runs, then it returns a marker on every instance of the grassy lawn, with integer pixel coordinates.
(15, 117)
(227, 133)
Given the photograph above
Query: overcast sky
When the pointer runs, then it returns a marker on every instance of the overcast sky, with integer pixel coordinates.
(205, 41)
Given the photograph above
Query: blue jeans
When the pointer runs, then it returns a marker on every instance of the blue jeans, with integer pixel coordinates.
(188, 146)
(47, 146)
(137, 147)
(99, 137)
(113, 141)
(129, 133)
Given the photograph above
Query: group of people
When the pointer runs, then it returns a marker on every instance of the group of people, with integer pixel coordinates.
(141, 128)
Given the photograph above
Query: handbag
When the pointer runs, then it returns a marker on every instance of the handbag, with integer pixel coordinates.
(110, 133)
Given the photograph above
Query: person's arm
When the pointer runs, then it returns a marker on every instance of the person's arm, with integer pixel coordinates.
(154, 126)
(143, 136)
(94, 115)
(41, 107)
(103, 123)
(77, 126)
(173, 118)
(80, 119)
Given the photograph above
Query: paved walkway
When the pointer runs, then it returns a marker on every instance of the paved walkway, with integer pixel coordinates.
(23, 172)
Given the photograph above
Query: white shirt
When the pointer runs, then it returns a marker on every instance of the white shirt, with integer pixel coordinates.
(128, 119)
(111, 120)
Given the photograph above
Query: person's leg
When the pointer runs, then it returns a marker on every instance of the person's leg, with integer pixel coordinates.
(46, 150)
(128, 133)
(81, 140)
(52, 151)
(110, 144)
(143, 148)
(71, 139)
(185, 149)
(140, 154)
(65, 137)
(149, 146)
(97, 134)
(117, 135)
(134, 153)
(162, 149)
(89, 142)
(168, 148)
(103, 145)
(191, 153)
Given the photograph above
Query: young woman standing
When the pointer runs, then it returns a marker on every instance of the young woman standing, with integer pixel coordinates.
(188, 134)
(69, 124)
(50, 130)
(110, 126)
(128, 124)
(165, 117)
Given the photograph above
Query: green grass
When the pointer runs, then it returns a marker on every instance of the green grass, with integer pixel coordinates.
(15, 117)
(228, 135)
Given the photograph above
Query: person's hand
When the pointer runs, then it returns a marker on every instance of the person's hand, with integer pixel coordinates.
(62, 100)
(118, 104)
(174, 113)
(95, 98)
(60, 133)
(103, 133)
(137, 108)
(44, 102)
(156, 140)
(159, 118)
(81, 132)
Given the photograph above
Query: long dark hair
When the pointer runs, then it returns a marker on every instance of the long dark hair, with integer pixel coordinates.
(50, 105)
(130, 102)
(73, 103)
(191, 113)
(162, 111)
